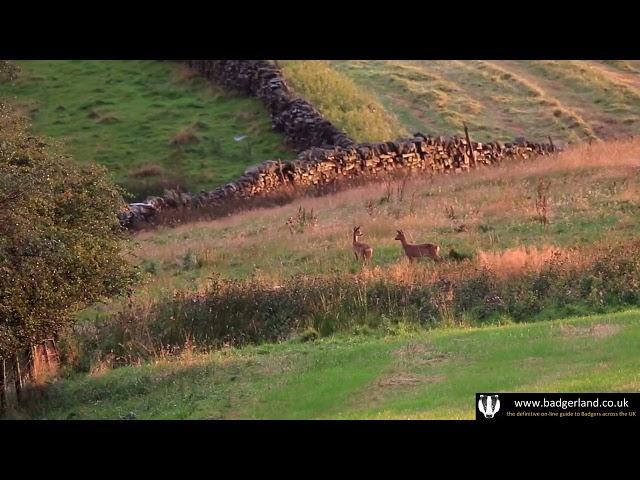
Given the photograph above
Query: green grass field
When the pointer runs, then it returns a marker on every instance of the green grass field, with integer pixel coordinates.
(381, 375)
(500, 100)
(346, 103)
(153, 124)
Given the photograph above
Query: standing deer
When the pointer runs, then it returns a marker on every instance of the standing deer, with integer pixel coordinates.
(416, 251)
(361, 250)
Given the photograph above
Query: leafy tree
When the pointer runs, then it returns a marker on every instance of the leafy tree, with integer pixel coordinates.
(61, 246)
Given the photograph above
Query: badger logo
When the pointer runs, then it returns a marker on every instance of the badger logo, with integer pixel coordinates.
(489, 405)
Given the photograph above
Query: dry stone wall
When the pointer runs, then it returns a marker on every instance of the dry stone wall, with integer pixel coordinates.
(329, 157)
(303, 126)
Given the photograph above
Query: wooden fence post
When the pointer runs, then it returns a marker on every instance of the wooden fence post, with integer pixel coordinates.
(3, 386)
(17, 377)
(471, 152)
(31, 363)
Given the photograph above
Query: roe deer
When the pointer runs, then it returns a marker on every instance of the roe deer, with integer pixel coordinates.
(361, 250)
(417, 251)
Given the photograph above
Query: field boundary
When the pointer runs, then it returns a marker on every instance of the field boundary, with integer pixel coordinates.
(330, 161)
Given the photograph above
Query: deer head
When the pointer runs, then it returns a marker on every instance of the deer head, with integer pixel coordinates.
(400, 235)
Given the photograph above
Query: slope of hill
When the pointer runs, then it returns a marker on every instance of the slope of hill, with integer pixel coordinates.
(500, 100)
(522, 242)
(593, 195)
(392, 375)
(156, 125)
(388, 341)
(343, 101)
(259, 267)
(153, 124)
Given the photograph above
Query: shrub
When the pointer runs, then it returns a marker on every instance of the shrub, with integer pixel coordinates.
(302, 220)
(308, 335)
(60, 241)
(186, 136)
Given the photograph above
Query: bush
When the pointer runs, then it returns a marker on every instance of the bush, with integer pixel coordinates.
(308, 335)
(61, 244)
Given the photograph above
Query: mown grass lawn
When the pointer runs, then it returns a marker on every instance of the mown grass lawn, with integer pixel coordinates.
(390, 374)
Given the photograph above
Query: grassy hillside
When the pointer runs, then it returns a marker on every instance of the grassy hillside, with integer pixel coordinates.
(385, 341)
(156, 125)
(349, 106)
(569, 100)
(266, 313)
(593, 196)
(246, 276)
(392, 375)
(153, 124)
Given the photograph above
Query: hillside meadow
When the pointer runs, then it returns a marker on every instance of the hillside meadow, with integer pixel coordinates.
(267, 314)
(572, 101)
(592, 196)
(270, 274)
(154, 125)
(158, 125)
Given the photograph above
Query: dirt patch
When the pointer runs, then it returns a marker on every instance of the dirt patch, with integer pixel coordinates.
(599, 330)
(107, 120)
(533, 361)
(186, 136)
(410, 350)
(403, 376)
(385, 386)
(401, 379)
(418, 354)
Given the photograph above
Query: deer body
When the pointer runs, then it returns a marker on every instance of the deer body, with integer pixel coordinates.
(417, 251)
(361, 250)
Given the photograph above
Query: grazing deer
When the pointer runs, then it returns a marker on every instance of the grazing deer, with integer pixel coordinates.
(416, 251)
(361, 250)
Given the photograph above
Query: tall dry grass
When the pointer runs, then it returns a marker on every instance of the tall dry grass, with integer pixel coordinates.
(514, 285)
(434, 209)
